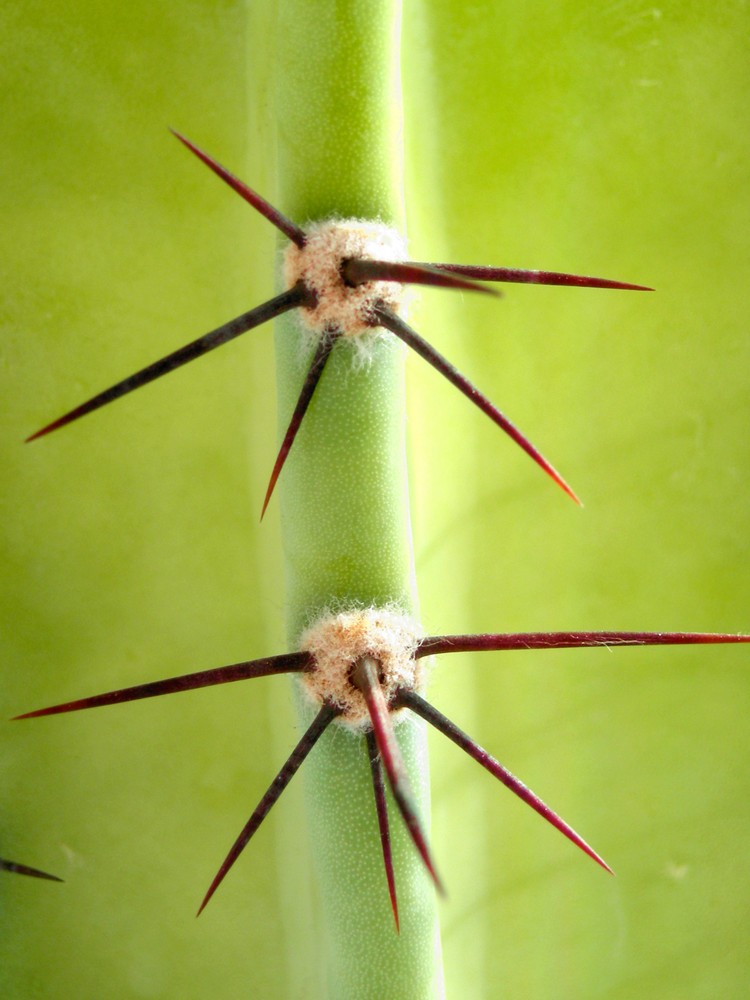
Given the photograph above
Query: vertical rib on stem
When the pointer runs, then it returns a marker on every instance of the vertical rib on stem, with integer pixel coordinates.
(343, 493)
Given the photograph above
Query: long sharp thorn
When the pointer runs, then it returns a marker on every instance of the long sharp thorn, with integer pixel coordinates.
(13, 866)
(365, 678)
(289, 299)
(410, 699)
(286, 226)
(435, 644)
(357, 271)
(526, 277)
(283, 664)
(277, 786)
(381, 808)
(417, 343)
(322, 353)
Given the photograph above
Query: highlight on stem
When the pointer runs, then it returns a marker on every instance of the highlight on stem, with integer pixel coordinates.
(363, 669)
(346, 279)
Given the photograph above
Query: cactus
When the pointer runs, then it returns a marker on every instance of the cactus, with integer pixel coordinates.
(456, 619)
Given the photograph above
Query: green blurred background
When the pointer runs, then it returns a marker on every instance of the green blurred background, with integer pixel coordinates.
(605, 139)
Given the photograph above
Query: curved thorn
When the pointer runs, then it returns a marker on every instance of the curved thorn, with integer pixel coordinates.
(526, 277)
(435, 644)
(289, 299)
(324, 348)
(357, 271)
(266, 209)
(13, 866)
(409, 699)
(417, 343)
(282, 664)
(381, 809)
(365, 678)
(277, 786)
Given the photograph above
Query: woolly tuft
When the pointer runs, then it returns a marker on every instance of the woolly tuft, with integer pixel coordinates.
(318, 265)
(337, 642)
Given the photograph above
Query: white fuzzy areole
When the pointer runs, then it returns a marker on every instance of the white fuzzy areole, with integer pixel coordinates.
(337, 642)
(318, 264)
